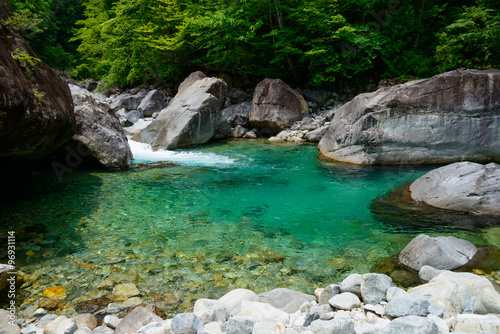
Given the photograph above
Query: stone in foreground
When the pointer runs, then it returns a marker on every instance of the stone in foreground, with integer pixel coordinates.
(139, 317)
(450, 117)
(462, 186)
(345, 301)
(186, 323)
(374, 287)
(438, 252)
(473, 323)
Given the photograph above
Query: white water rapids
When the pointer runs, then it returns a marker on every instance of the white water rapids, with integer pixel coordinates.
(145, 153)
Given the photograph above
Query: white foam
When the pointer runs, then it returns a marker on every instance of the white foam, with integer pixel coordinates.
(144, 153)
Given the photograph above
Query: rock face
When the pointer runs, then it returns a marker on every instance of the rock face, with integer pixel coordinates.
(191, 117)
(36, 109)
(99, 130)
(450, 117)
(439, 252)
(276, 106)
(462, 186)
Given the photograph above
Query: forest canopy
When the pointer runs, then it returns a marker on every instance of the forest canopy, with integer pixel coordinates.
(341, 44)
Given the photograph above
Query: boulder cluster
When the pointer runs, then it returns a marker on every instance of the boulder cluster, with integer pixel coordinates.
(448, 301)
(202, 110)
(369, 303)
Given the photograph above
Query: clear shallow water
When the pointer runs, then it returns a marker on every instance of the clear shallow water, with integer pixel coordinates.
(234, 214)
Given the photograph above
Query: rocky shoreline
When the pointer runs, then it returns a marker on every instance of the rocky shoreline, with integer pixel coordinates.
(369, 303)
(445, 302)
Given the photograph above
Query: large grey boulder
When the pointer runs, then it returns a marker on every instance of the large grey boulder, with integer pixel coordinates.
(190, 79)
(139, 317)
(285, 299)
(99, 131)
(191, 117)
(438, 252)
(450, 117)
(461, 186)
(276, 106)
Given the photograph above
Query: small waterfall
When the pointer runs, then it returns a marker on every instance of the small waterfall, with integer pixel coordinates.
(144, 153)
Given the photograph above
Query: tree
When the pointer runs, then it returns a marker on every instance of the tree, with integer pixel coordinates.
(472, 41)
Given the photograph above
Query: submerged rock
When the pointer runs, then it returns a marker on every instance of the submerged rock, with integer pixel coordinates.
(396, 208)
(461, 186)
(450, 117)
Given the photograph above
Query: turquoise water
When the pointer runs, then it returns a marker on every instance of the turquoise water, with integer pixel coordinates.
(232, 214)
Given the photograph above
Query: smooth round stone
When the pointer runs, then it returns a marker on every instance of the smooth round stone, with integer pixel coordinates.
(345, 301)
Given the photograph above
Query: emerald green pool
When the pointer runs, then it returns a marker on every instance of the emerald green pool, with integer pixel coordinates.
(246, 214)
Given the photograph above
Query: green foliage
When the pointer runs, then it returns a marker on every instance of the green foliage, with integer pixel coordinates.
(339, 44)
(48, 26)
(25, 60)
(25, 21)
(472, 41)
